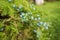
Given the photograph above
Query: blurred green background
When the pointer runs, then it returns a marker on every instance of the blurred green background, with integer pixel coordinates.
(19, 20)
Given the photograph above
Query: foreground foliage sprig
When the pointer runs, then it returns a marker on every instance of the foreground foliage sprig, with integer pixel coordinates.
(20, 20)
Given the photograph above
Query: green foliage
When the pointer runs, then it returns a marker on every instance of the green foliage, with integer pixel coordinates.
(20, 20)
